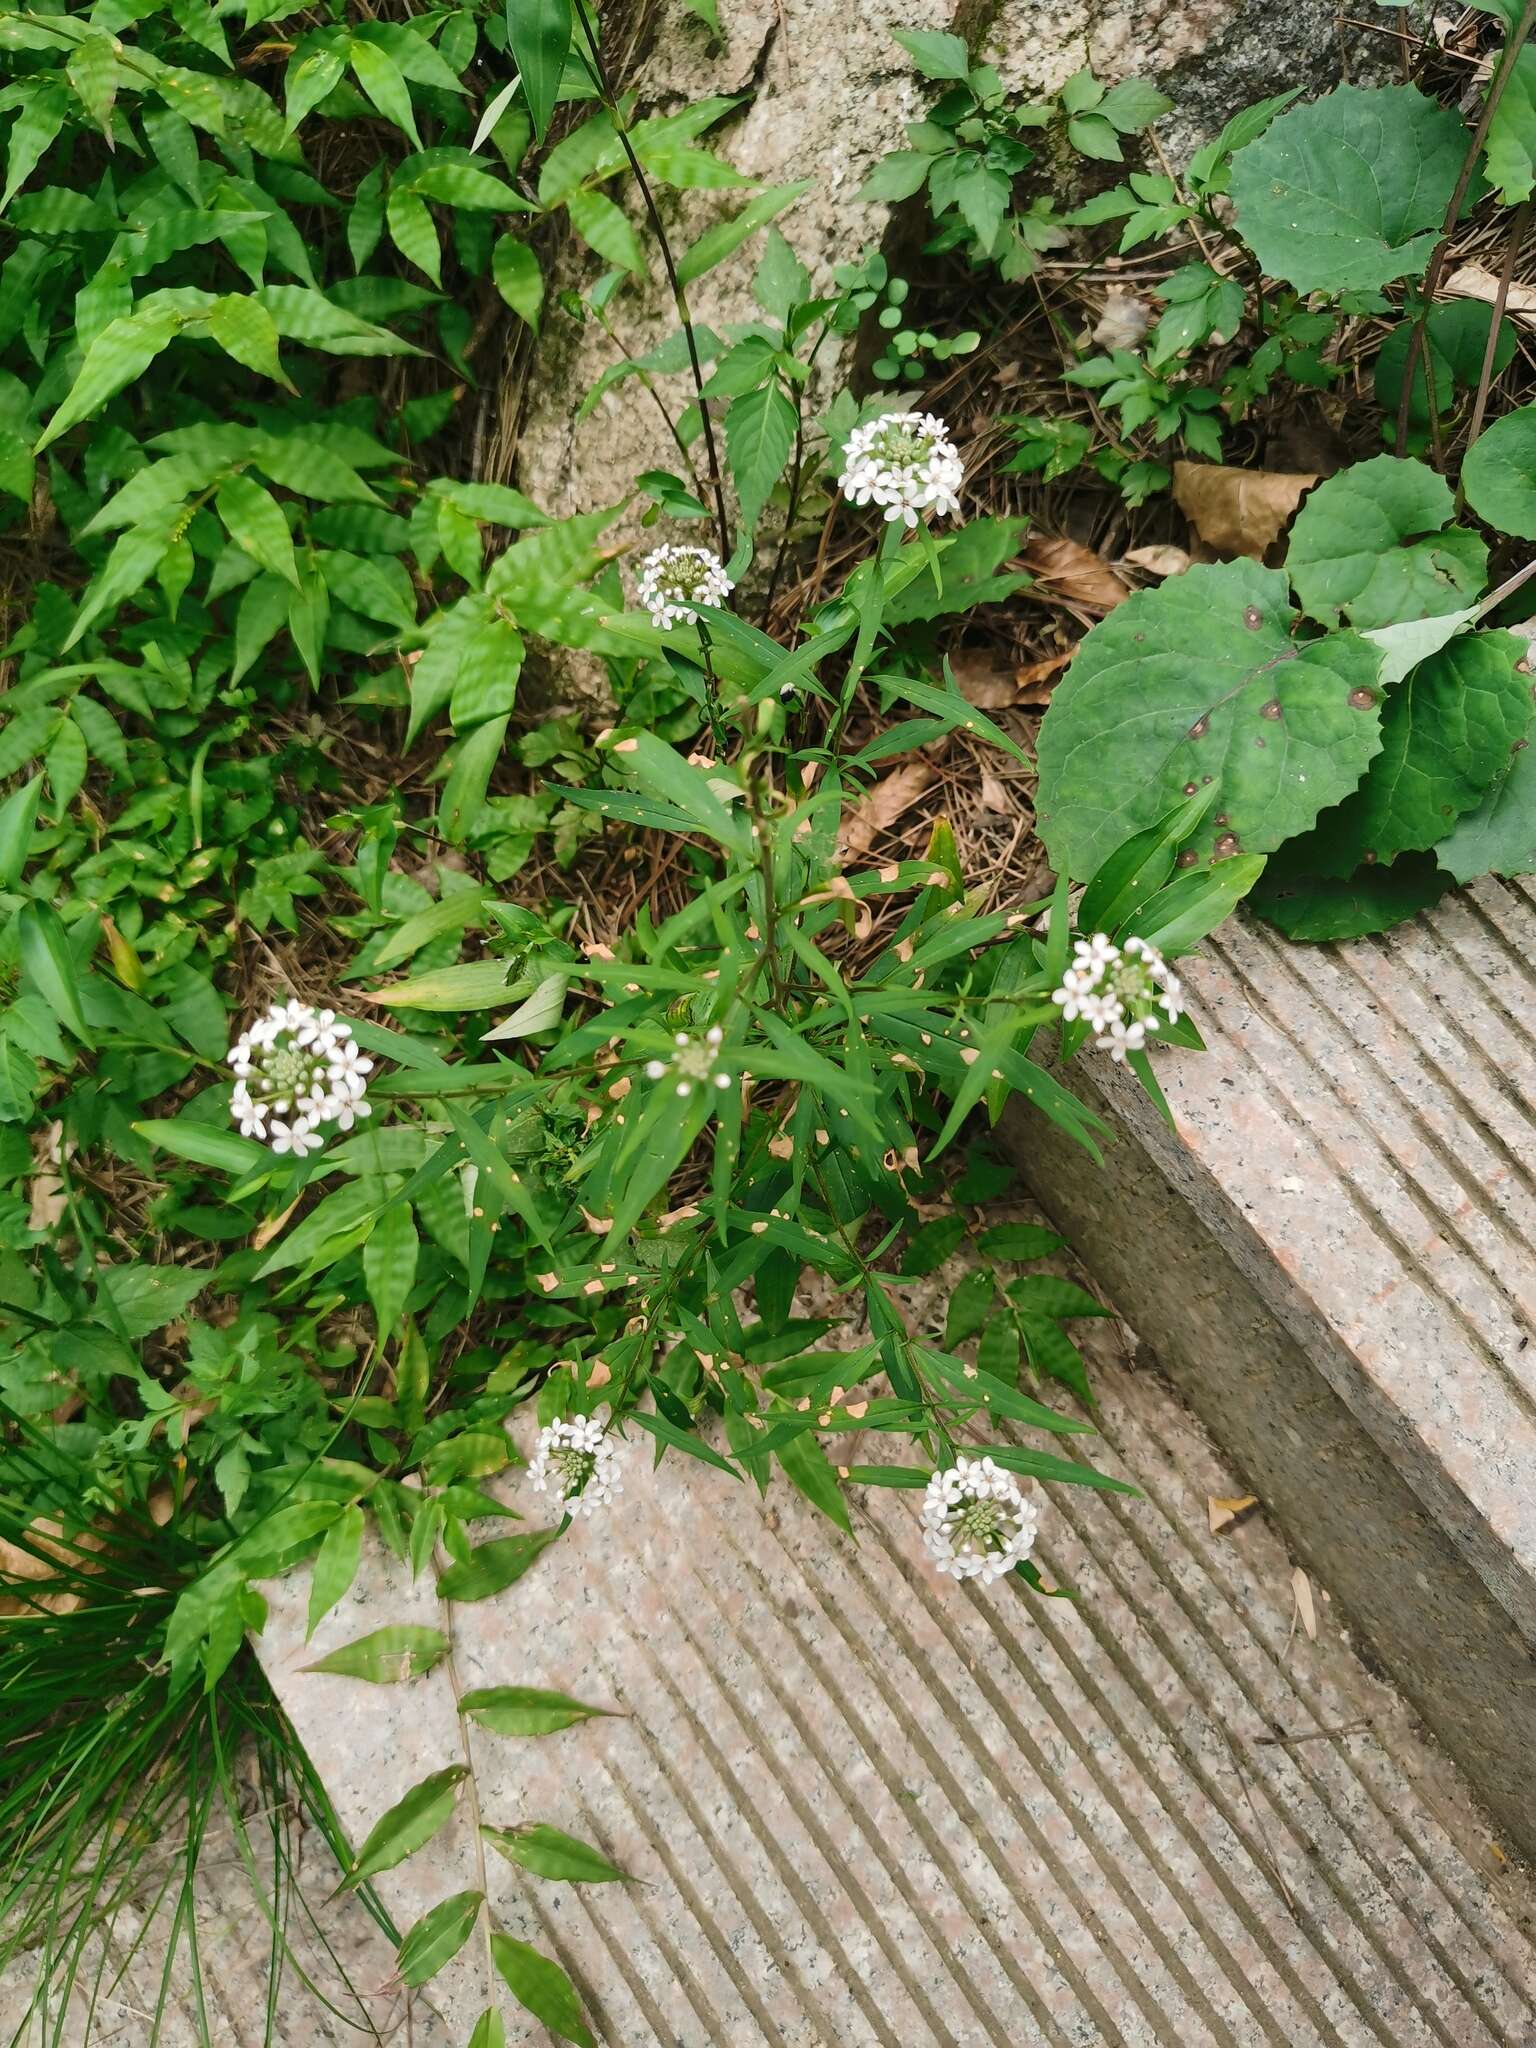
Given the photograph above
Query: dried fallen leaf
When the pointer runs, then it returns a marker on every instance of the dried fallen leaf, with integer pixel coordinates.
(1124, 321)
(1158, 561)
(1222, 1512)
(1238, 511)
(1036, 679)
(1301, 1589)
(885, 803)
(1074, 572)
(264, 1233)
(981, 683)
(995, 798)
(1471, 281)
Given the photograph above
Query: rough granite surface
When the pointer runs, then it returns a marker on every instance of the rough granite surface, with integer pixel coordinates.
(867, 1805)
(1335, 1256)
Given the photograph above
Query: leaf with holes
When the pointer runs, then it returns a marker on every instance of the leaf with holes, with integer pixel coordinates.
(1194, 684)
(1447, 734)
(1368, 545)
(1348, 193)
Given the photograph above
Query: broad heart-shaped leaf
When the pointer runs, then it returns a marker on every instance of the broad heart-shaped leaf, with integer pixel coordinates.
(437, 1937)
(409, 1823)
(524, 1709)
(1199, 682)
(540, 1987)
(1499, 474)
(1349, 193)
(404, 1649)
(1447, 733)
(1353, 547)
(1316, 909)
(1499, 837)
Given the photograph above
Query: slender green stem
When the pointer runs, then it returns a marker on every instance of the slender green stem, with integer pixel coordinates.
(679, 294)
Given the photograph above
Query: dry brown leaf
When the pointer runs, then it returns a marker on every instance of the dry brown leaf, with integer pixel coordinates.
(983, 684)
(1124, 321)
(1074, 572)
(264, 1233)
(1238, 511)
(1159, 561)
(1471, 281)
(1036, 678)
(1301, 1590)
(1221, 1511)
(995, 798)
(885, 803)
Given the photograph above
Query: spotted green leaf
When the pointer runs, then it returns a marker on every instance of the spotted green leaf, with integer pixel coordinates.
(1199, 683)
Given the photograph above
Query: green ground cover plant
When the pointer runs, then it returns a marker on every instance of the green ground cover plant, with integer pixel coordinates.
(330, 1135)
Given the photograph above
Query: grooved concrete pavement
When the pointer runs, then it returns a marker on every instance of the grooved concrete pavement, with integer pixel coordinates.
(871, 1806)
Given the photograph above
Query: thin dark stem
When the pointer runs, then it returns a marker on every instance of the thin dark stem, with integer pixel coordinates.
(797, 479)
(1416, 340)
(712, 692)
(1517, 228)
(679, 294)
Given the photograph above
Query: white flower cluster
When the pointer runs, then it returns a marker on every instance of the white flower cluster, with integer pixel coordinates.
(577, 1463)
(1123, 992)
(976, 1522)
(694, 1061)
(297, 1068)
(674, 579)
(906, 462)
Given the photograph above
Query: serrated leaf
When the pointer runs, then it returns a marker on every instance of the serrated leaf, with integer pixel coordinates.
(409, 1824)
(1448, 733)
(525, 1710)
(388, 1655)
(1198, 683)
(437, 1937)
(550, 1852)
(1353, 548)
(1348, 193)
(759, 434)
(335, 1566)
(540, 1987)
(1498, 837)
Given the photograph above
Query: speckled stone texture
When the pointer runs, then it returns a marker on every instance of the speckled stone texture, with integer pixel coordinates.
(1335, 1258)
(871, 1806)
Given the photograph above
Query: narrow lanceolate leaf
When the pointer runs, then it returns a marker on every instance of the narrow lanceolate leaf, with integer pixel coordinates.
(518, 278)
(1195, 684)
(48, 965)
(402, 1650)
(492, 1567)
(383, 81)
(437, 1937)
(550, 1852)
(540, 34)
(244, 329)
(490, 2030)
(255, 522)
(759, 433)
(540, 1987)
(335, 1566)
(18, 815)
(524, 1710)
(409, 1823)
